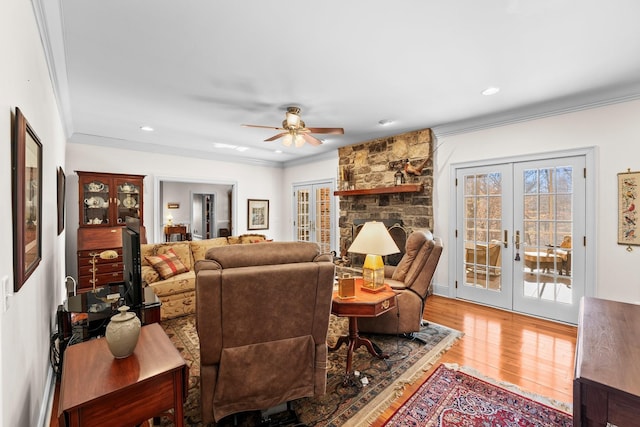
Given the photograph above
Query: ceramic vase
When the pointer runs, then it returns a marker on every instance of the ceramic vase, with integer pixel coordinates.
(122, 333)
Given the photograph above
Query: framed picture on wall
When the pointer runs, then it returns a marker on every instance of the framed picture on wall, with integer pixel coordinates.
(26, 162)
(628, 233)
(257, 214)
(61, 181)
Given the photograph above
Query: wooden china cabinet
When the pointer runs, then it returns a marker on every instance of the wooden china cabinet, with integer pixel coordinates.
(105, 200)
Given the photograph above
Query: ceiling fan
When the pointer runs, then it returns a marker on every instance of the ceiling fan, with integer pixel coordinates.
(295, 131)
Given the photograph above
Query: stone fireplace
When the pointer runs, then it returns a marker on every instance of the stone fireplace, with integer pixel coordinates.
(388, 180)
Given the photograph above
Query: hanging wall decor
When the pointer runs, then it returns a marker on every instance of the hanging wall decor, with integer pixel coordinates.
(27, 200)
(628, 232)
(257, 214)
(61, 182)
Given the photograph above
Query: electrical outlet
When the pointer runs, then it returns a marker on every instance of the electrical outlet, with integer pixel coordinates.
(7, 293)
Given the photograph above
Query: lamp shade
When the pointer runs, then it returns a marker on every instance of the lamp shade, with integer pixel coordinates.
(374, 239)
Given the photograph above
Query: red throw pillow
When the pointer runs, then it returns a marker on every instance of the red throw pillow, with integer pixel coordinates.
(167, 265)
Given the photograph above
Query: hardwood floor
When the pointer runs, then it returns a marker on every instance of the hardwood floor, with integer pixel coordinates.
(536, 355)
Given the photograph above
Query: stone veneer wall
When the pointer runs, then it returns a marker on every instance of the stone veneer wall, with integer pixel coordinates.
(373, 164)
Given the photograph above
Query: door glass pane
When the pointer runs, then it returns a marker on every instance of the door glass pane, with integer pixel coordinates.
(547, 240)
(483, 226)
(303, 220)
(323, 218)
(128, 201)
(96, 202)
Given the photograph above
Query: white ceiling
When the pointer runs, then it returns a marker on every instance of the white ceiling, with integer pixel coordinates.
(195, 70)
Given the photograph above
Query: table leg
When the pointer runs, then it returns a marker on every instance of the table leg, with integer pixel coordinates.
(179, 384)
(355, 341)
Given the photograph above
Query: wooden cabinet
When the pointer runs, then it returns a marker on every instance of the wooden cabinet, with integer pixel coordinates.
(105, 200)
(606, 386)
(91, 243)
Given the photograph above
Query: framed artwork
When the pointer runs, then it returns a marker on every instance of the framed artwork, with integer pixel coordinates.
(61, 180)
(628, 233)
(257, 214)
(26, 156)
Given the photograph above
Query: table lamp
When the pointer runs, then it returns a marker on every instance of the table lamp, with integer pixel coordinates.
(373, 240)
(108, 254)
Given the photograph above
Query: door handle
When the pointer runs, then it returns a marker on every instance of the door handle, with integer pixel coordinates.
(517, 240)
(505, 242)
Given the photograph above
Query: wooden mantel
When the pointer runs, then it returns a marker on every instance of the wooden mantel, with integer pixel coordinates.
(404, 188)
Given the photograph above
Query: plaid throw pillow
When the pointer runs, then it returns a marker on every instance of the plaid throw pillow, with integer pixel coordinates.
(167, 265)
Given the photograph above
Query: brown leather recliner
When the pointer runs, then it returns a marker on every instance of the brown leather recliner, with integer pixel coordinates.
(411, 280)
(262, 313)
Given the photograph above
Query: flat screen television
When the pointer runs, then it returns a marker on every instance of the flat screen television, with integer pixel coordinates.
(132, 262)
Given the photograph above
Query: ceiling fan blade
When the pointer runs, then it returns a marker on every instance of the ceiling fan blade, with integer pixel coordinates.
(262, 127)
(311, 139)
(274, 137)
(334, 131)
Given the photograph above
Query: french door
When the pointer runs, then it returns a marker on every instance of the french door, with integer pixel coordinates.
(313, 214)
(521, 233)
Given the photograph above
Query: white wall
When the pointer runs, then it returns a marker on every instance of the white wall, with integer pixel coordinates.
(612, 129)
(252, 182)
(26, 327)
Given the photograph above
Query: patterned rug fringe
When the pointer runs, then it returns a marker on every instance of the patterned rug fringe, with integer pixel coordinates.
(556, 404)
(368, 414)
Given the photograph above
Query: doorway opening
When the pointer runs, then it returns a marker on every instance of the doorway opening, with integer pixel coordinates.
(179, 193)
(521, 233)
(204, 216)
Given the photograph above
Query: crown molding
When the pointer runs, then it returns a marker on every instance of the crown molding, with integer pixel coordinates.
(48, 14)
(529, 113)
(126, 144)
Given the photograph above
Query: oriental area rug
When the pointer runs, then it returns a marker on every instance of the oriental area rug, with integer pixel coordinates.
(451, 397)
(355, 403)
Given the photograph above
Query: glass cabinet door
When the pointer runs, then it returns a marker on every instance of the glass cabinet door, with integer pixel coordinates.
(127, 199)
(96, 202)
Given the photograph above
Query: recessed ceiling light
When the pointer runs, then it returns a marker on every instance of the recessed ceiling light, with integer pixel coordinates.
(278, 151)
(492, 90)
(230, 146)
(385, 122)
(146, 128)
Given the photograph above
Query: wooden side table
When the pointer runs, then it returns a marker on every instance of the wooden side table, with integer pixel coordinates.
(365, 304)
(180, 230)
(99, 390)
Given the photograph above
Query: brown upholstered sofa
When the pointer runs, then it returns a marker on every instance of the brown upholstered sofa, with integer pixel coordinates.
(177, 292)
(411, 280)
(262, 316)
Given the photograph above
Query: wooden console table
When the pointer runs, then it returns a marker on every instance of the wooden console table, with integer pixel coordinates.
(606, 387)
(169, 230)
(99, 390)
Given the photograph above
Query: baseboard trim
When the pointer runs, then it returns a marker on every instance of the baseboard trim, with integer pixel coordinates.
(441, 290)
(46, 408)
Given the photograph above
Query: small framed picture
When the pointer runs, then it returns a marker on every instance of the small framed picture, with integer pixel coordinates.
(257, 214)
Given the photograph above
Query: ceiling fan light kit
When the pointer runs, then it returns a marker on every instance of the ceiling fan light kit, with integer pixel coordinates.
(295, 131)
